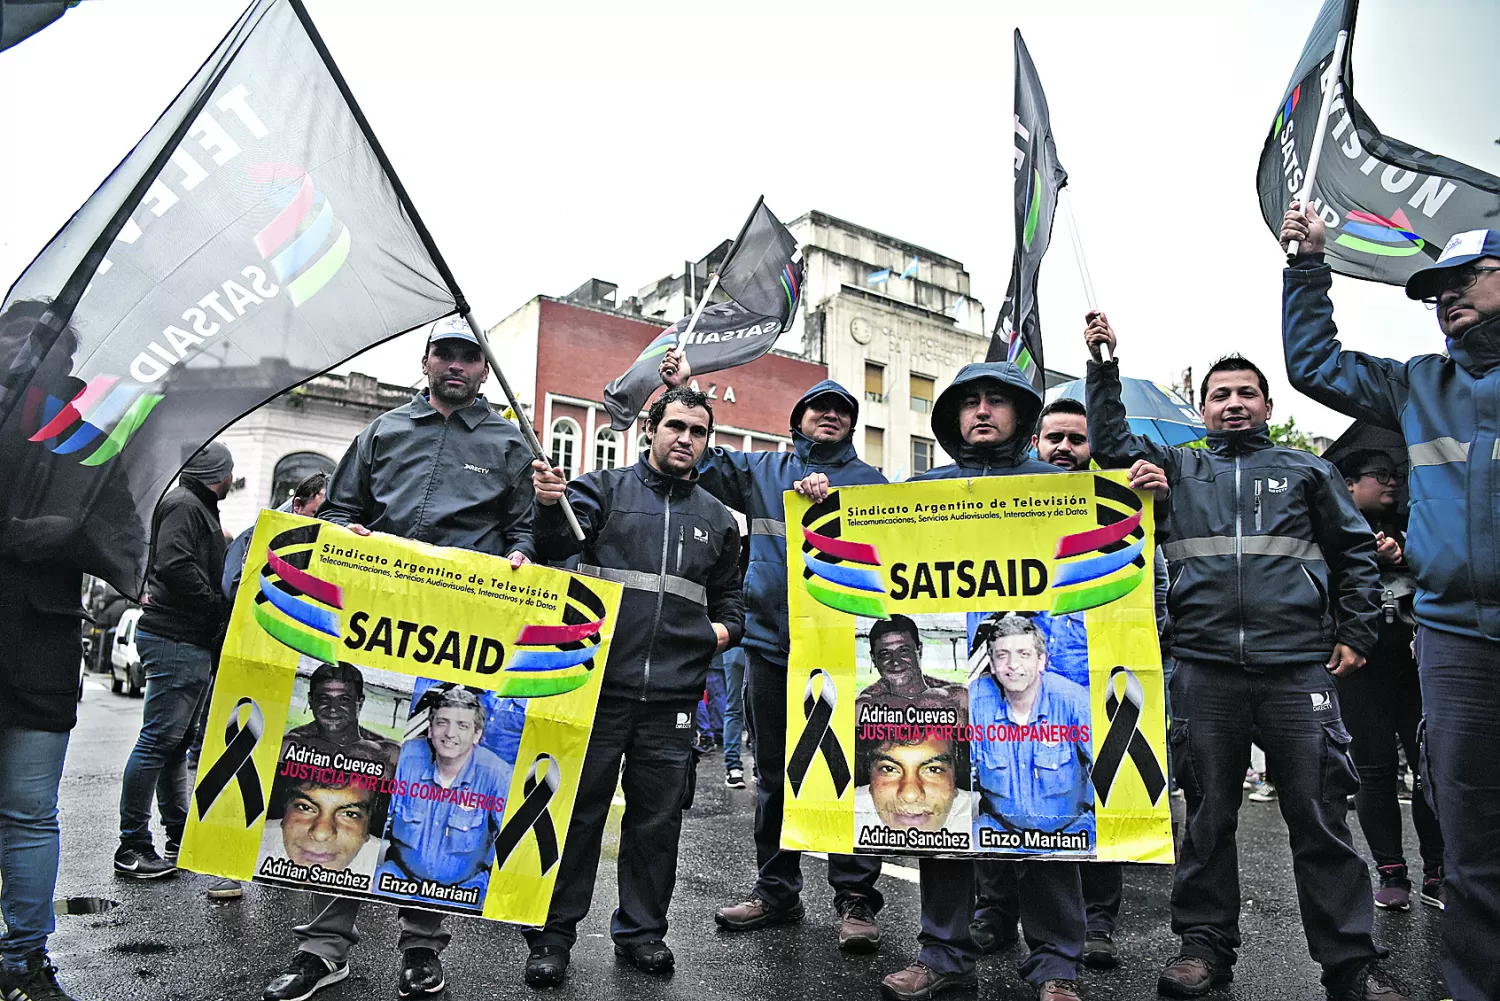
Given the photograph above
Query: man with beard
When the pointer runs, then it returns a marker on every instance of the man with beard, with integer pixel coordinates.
(1445, 407)
(983, 420)
(822, 456)
(444, 469)
(677, 551)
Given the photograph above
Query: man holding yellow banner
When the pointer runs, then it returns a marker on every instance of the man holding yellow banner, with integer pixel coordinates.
(984, 420)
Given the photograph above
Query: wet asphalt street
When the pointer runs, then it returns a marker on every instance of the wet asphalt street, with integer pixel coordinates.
(166, 940)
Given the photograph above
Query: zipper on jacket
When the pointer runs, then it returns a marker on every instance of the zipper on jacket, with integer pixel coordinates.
(661, 591)
(1257, 505)
(681, 533)
(1239, 552)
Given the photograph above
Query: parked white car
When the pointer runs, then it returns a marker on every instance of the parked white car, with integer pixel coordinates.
(127, 674)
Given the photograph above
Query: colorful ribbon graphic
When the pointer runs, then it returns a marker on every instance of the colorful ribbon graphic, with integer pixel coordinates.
(818, 735)
(552, 660)
(1125, 737)
(824, 555)
(1120, 542)
(105, 402)
(235, 764)
(533, 816)
(285, 585)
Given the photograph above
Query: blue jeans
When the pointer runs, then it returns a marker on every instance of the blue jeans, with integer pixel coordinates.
(176, 681)
(1461, 767)
(710, 711)
(734, 706)
(29, 844)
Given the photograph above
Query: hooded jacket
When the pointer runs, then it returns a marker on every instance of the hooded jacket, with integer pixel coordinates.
(752, 483)
(187, 563)
(1271, 563)
(1448, 410)
(1011, 458)
(677, 551)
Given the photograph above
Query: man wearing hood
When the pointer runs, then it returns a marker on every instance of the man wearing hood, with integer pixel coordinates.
(984, 420)
(1448, 410)
(1273, 595)
(822, 427)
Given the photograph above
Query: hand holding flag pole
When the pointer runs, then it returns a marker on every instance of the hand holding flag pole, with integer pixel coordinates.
(1330, 81)
(522, 421)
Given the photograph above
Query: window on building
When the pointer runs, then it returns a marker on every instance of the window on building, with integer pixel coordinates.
(642, 444)
(921, 394)
(921, 455)
(293, 469)
(606, 449)
(874, 382)
(565, 446)
(875, 447)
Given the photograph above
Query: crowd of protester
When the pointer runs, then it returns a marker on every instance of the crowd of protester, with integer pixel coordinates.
(1321, 620)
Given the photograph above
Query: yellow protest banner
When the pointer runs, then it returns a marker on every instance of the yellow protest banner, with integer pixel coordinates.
(398, 722)
(975, 671)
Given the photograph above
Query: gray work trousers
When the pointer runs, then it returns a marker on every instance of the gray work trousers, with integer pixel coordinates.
(330, 933)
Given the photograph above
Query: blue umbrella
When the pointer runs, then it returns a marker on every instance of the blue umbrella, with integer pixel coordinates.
(1151, 410)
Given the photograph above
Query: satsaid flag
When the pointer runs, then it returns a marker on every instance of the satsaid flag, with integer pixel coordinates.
(974, 671)
(1039, 178)
(1390, 207)
(399, 722)
(255, 237)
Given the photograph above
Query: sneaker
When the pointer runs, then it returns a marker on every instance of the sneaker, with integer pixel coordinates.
(305, 975)
(142, 863)
(1264, 792)
(1395, 889)
(1373, 983)
(1191, 977)
(1252, 777)
(220, 888)
(1100, 951)
(734, 778)
(1433, 894)
(547, 966)
(756, 913)
(990, 939)
(36, 980)
(421, 974)
(653, 957)
(1059, 990)
(918, 982)
(171, 850)
(858, 929)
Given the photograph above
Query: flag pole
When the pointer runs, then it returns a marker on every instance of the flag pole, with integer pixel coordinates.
(522, 421)
(1083, 265)
(713, 283)
(1335, 67)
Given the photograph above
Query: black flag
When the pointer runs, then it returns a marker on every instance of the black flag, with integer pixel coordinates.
(20, 19)
(255, 237)
(1039, 178)
(727, 335)
(763, 271)
(1389, 206)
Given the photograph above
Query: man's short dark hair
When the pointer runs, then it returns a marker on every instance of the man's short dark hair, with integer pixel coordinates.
(1002, 624)
(345, 672)
(309, 487)
(1355, 462)
(685, 395)
(322, 778)
(460, 697)
(1061, 405)
(897, 623)
(1233, 363)
(866, 752)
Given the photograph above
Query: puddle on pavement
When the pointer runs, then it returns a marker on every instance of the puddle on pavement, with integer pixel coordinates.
(84, 905)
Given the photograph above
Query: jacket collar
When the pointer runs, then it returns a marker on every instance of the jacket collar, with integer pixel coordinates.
(817, 453)
(661, 483)
(200, 490)
(1239, 442)
(473, 415)
(1011, 452)
(1478, 351)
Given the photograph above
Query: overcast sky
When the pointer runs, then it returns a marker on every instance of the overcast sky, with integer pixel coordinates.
(568, 141)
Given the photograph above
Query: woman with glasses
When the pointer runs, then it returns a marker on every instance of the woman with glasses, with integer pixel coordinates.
(1382, 704)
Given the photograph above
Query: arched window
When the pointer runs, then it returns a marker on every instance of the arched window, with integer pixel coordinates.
(292, 469)
(565, 446)
(642, 444)
(606, 449)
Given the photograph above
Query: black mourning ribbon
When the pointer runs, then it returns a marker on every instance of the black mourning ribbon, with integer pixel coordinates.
(236, 764)
(1125, 737)
(532, 815)
(818, 735)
